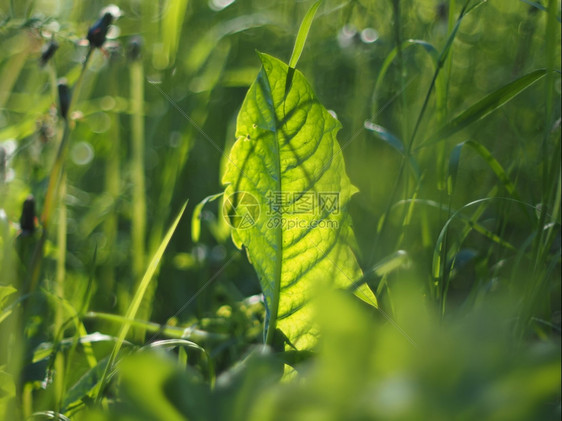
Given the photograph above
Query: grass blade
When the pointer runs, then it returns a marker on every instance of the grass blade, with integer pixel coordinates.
(494, 165)
(137, 299)
(485, 106)
(138, 226)
(189, 332)
(196, 218)
(388, 264)
(395, 143)
(49, 415)
(392, 55)
(84, 385)
(385, 135)
(492, 162)
(303, 34)
(139, 293)
(439, 252)
(454, 160)
(442, 59)
(540, 7)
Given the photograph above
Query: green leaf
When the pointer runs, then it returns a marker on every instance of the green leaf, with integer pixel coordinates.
(174, 343)
(485, 106)
(196, 218)
(85, 385)
(303, 34)
(169, 344)
(157, 390)
(287, 196)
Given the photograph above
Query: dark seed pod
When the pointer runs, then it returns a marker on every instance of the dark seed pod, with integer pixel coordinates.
(3, 160)
(442, 11)
(64, 99)
(27, 220)
(48, 52)
(98, 31)
(134, 49)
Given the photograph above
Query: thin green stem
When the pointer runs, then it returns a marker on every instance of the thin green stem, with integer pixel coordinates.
(442, 58)
(59, 286)
(548, 171)
(112, 187)
(11, 71)
(54, 181)
(138, 232)
(138, 227)
(400, 60)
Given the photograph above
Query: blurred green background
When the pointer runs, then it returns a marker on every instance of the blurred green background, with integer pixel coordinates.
(475, 336)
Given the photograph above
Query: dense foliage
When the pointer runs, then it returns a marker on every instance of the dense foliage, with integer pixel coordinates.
(119, 301)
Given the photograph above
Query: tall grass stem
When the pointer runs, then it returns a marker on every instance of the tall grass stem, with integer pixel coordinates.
(138, 228)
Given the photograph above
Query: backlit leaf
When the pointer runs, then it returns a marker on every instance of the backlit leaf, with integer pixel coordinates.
(287, 196)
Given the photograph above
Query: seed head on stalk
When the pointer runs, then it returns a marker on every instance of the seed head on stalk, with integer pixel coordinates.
(28, 220)
(98, 31)
(64, 99)
(48, 52)
(134, 48)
